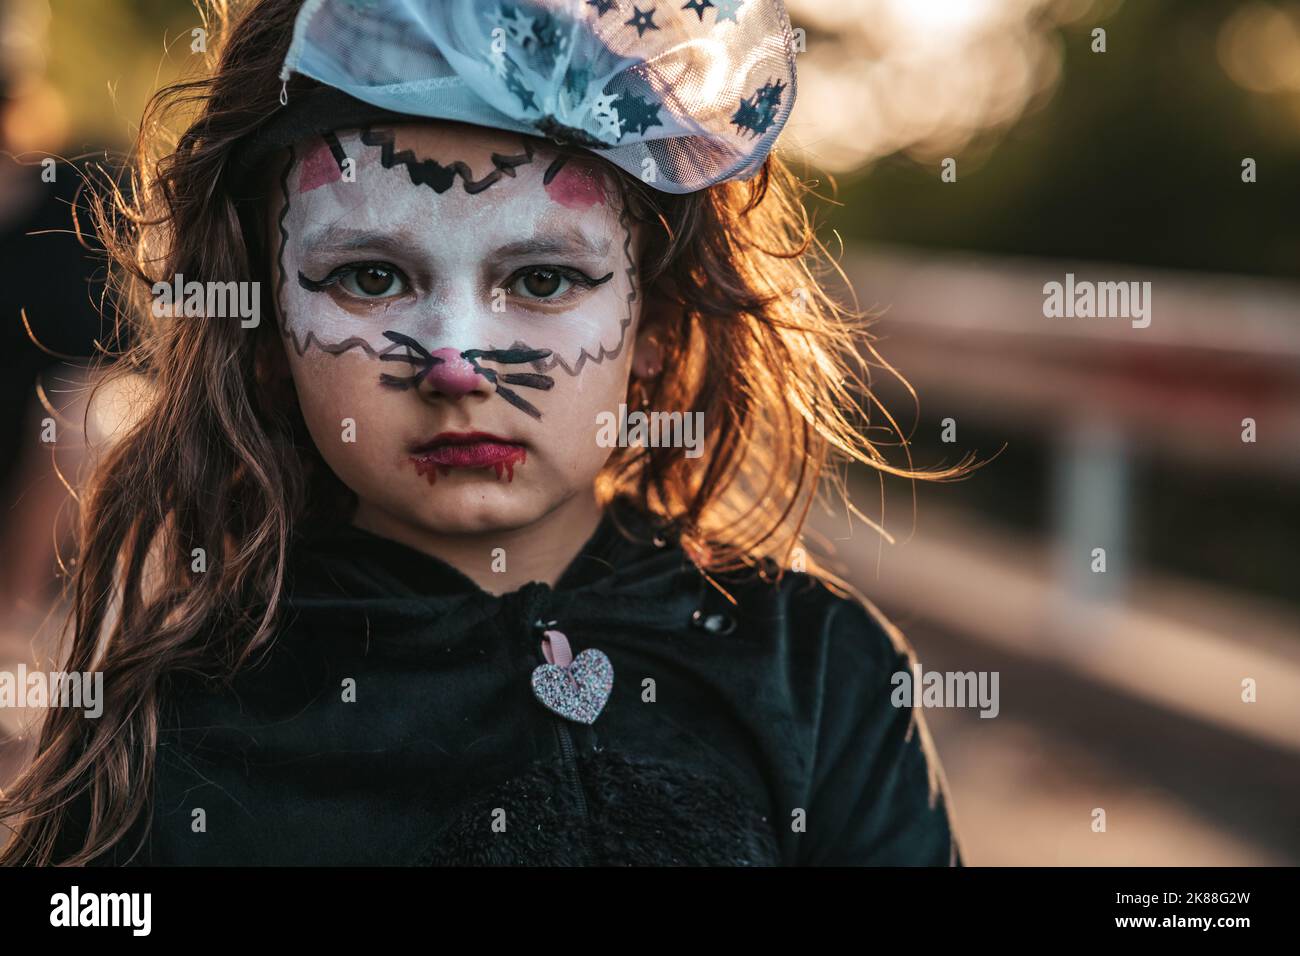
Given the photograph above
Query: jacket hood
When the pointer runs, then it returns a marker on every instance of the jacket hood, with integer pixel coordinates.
(408, 602)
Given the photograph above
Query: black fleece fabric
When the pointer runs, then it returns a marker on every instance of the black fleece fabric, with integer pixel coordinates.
(759, 733)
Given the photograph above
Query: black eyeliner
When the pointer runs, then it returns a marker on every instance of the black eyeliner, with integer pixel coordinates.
(313, 285)
(573, 275)
(320, 285)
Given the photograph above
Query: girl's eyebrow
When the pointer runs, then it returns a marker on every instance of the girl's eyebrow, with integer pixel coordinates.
(335, 238)
(568, 241)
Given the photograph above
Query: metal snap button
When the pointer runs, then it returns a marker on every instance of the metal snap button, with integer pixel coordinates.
(714, 623)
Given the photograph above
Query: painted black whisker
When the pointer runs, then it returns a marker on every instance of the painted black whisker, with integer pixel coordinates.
(506, 356)
(518, 402)
(409, 342)
(430, 360)
(399, 382)
(422, 358)
(529, 380)
(417, 355)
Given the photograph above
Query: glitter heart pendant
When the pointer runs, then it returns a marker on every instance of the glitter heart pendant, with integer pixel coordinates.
(576, 688)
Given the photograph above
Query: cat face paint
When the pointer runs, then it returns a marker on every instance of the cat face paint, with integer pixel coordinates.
(458, 306)
(410, 264)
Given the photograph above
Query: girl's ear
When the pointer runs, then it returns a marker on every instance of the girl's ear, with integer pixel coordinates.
(647, 359)
(659, 311)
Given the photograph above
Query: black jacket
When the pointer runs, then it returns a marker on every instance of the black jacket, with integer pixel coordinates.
(744, 735)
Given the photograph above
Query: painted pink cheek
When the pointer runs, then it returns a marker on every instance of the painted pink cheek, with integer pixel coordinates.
(576, 187)
(318, 168)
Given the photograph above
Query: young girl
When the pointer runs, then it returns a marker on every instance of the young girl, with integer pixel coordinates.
(377, 581)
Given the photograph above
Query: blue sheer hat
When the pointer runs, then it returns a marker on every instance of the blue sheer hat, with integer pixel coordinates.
(682, 95)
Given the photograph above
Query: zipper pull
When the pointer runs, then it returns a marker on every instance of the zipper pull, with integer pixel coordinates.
(555, 647)
(576, 688)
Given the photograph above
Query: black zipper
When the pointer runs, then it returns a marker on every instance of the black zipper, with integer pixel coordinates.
(569, 757)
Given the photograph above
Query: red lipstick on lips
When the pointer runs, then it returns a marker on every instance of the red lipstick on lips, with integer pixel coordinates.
(448, 450)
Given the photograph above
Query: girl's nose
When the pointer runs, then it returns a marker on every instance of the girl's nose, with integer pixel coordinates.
(453, 377)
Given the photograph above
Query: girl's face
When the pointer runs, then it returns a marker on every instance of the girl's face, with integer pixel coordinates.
(458, 306)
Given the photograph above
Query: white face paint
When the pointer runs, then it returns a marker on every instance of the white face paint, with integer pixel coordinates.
(408, 290)
(410, 258)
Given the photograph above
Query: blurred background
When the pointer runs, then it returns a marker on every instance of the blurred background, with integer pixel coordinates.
(1114, 156)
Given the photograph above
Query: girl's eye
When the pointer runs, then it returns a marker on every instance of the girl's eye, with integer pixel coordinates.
(372, 282)
(542, 284)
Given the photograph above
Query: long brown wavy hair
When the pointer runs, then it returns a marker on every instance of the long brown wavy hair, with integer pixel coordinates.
(216, 458)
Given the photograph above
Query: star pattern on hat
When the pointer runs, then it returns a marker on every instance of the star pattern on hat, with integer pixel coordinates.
(576, 81)
(643, 20)
(600, 112)
(541, 41)
(727, 10)
(638, 113)
(548, 37)
(699, 6)
(555, 68)
(757, 113)
(518, 87)
(541, 38)
(606, 116)
(517, 27)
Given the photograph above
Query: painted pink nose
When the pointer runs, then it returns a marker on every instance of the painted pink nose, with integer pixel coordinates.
(453, 377)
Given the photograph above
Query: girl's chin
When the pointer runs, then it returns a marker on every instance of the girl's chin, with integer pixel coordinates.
(478, 506)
